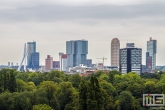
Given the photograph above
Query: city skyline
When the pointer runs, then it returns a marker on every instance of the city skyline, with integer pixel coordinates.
(96, 21)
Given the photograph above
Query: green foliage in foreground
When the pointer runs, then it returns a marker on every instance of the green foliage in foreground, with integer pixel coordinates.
(58, 91)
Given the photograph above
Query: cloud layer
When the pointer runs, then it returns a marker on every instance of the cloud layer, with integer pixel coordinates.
(52, 23)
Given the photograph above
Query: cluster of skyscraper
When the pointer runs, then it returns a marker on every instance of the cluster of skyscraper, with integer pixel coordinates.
(129, 59)
(76, 54)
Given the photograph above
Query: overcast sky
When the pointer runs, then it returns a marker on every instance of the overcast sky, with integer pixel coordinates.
(53, 22)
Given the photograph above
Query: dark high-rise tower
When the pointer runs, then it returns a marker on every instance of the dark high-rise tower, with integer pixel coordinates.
(130, 59)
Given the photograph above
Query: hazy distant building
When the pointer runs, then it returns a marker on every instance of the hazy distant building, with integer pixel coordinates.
(48, 63)
(130, 45)
(89, 63)
(32, 56)
(130, 59)
(115, 46)
(76, 52)
(56, 65)
(151, 54)
(8, 64)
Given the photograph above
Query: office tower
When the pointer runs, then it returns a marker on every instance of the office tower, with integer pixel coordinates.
(60, 54)
(32, 56)
(130, 59)
(151, 54)
(64, 62)
(35, 60)
(56, 65)
(48, 63)
(76, 52)
(115, 46)
(89, 62)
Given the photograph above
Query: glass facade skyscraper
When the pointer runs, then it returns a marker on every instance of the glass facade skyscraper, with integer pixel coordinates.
(35, 60)
(76, 52)
(32, 56)
(151, 54)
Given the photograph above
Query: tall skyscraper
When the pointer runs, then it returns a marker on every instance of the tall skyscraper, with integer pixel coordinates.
(32, 56)
(48, 63)
(151, 54)
(130, 59)
(76, 52)
(115, 47)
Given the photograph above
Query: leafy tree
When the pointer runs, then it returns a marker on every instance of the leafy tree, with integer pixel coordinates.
(75, 79)
(42, 107)
(83, 96)
(94, 95)
(12, 82)
(50, 87)
(126, 100)
(65, 94)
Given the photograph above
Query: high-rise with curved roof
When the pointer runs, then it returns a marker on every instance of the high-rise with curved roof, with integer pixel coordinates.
(115, 47)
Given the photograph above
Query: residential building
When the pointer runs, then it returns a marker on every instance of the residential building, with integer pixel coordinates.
(115, 46)
(49, 63)
(76, 52)
(151, 54)
(130, 59)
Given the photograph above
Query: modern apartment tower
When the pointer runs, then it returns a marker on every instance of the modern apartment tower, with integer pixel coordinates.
(76, 52)
(130, 59)
(32, 56)
(151, 54)
(115, 47)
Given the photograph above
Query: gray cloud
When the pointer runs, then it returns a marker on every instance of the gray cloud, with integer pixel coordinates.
(50, 12)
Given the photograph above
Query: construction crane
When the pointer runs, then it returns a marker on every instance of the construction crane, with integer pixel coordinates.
(103, 60)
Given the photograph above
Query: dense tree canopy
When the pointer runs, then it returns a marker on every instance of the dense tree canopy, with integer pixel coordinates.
(56, 90)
